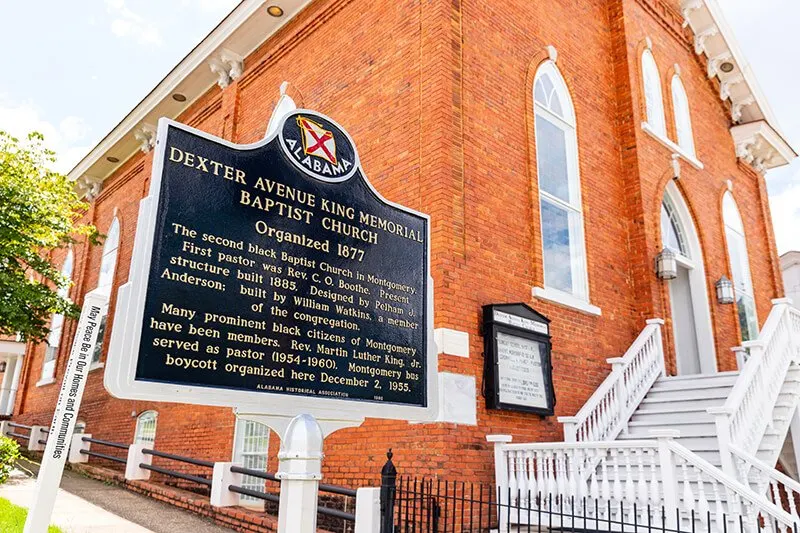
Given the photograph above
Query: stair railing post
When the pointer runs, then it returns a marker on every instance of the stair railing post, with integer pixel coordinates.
(722, 420)
(501, 477)
(659, 325)
(669, 473)
(620, 390)
(388, 493)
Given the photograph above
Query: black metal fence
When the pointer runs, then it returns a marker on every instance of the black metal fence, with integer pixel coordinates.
(423, 505)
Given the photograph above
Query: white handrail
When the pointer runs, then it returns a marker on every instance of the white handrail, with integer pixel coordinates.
(630, 478)
(607, 411)
(779, 488)
(748, 410)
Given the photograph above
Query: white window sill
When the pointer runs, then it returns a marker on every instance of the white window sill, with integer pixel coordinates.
(95, 366)
(566, 300)
(45, 381)
(674, 148)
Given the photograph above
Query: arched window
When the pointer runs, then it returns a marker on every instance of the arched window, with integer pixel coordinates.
(56, 325)
(740, 268)
(108, 265)
(559, 185)
(109, 262)
(653, 100)
(672, 233)
(683, 119)
(146, 428)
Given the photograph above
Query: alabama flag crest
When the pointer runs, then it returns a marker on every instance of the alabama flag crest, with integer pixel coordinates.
(317, 141)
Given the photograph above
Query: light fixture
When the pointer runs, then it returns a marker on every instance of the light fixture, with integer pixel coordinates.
(2, 366)
(178, 97)
(112, 159)
(275, 11)
(726, 67)
(725, 290)
(666, 265)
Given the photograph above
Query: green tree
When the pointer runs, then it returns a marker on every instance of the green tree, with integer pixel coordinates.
(39, 212)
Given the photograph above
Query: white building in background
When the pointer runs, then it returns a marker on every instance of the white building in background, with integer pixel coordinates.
(790, 266)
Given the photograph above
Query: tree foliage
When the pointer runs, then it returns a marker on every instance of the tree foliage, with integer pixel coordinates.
(39, 212)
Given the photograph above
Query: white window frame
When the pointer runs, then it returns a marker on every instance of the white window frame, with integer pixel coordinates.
(653, 95)
(240, 457)
(579, 298)
(50, 359)
(146, 427)
(110, 256)
(683, 116)
(736, 226)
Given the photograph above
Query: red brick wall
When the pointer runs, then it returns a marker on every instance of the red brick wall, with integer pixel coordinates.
(450, 84)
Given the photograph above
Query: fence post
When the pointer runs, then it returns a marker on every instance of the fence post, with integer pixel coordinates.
(300, 469)
(669, 474)
(4, 428)
(221, 479)
(501, 477)
(33, 440)
(368, 510)
(74, 455)
(388, 492)
(133, 471)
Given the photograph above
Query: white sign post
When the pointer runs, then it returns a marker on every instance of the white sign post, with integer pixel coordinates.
(66, 412)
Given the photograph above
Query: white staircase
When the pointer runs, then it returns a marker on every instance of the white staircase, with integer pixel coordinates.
(706, 445)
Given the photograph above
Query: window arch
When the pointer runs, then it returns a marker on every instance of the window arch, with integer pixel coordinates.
(673, 233)
(683, 118)
(146, 428)
(57, 324)
(564, 254)
(109, 262)
(740, 268)
(105, 280)
(653, 99)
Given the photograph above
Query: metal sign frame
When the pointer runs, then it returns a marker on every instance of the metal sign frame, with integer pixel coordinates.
(525, 323)
(120, 375)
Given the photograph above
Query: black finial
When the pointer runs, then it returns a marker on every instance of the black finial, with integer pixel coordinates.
(388, 468)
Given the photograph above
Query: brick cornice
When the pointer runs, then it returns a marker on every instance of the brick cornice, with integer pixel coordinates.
(669, 18)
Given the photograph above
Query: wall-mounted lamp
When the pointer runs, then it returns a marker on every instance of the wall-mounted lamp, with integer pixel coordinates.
(725, 291)
(666, 265)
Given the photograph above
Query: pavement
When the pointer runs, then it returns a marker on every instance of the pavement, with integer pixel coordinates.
(86, 505)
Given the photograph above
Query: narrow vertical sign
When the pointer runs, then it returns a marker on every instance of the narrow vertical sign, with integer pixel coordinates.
(66, 413)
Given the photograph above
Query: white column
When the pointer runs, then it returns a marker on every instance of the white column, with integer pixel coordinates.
(300, 469)
(368, 510)
(5, 391)
(12, 393)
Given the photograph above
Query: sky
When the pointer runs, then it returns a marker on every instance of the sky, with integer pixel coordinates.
(74, 73)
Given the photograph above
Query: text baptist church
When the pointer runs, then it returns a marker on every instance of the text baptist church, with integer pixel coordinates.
(602, 161)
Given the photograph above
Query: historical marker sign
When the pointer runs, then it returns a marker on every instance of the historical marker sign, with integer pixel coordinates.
(273, 276)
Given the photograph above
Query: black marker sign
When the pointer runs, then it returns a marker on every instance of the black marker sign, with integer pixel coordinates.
(279, 269)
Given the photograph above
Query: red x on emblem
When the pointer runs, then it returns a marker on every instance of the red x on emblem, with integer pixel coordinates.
(317, 141)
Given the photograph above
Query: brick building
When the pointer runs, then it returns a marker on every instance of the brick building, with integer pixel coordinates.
(558, 148)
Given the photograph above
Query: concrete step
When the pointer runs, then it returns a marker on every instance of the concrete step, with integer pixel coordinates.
(720, 379)
(663, 414)
(699, 402)
(688, 393)
(641, 429)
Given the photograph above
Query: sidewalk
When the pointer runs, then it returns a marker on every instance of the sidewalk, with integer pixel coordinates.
(86, 505)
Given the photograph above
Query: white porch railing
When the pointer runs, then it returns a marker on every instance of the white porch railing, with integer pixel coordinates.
(779, 488)
(748, 411)
(608, 410)
(631, 480)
